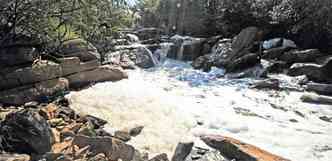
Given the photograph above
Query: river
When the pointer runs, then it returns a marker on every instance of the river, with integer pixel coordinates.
(177, 103)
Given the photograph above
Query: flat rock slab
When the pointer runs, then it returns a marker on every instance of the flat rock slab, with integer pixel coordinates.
(14, 157)
(325, 89)
(111, 147)
(239, 151)
(318, 99)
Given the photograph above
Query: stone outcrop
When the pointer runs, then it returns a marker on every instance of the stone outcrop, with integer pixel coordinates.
(79, 48)
(39, 91)
(100, 74)
(41, 79)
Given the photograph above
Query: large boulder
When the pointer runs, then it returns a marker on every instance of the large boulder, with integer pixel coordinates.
(236, 150)
(187, 48)
(301, 56)
(38, 72)
(314, 72)
(73, 65)
(219, 52)
(100, 74)
(241, 56)
(85, 51)
(26, 132)
(144, 58)
(35, 92)
(149, 33)
(112, 148)
(325, 89)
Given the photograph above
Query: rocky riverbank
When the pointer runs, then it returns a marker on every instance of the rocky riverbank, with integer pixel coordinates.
(244, 77)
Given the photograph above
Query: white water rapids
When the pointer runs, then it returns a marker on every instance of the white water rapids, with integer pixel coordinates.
(169, 100)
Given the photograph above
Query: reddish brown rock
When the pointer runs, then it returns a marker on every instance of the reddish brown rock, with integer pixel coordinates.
(240, 151)
(112, 148)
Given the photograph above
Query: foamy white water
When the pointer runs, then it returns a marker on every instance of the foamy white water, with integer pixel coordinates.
(170, 99)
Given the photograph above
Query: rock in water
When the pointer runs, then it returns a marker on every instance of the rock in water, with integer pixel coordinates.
(241, 56)
(239, 151)
(267, 84)
(26, 132)
(325, 89)
(313, 98)
(182, 151)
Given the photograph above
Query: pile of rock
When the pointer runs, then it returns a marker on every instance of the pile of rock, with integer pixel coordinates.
(55, 132)
(77, 67)
(234, 55)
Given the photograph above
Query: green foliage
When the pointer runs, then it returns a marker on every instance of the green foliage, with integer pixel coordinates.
(54, 21)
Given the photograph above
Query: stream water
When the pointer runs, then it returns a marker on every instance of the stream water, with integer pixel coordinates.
(170, 99)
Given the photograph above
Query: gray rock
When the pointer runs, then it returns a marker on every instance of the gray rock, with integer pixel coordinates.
(136, 131)
(26, 132)
(112, 148)
(100, 74)
(301, 56)
(38, 72)
(312, 71)
(324, 89)
(267, 84)
(160, 157)
(274, 53)
(85, 51)
(182, 151)
(14, 157)
(37, 92)
(318, 99)
(241, 57)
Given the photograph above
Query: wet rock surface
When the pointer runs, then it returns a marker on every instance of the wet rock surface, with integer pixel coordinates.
(235, 149)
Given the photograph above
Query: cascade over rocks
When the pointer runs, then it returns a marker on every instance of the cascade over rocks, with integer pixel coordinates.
(186, 48)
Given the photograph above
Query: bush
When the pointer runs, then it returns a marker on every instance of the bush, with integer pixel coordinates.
(53, 22)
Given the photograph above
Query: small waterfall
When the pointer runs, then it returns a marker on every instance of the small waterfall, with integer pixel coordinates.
(179, 55)
(164, 50)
